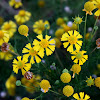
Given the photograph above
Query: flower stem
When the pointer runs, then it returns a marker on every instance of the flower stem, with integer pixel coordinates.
(55, 92)
(13, 53)
(78, 28)
(28, 39)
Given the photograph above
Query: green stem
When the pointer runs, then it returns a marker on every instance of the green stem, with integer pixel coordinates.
(26, 86)
(38, 96)
(78, 28)
(55, 92)
(13, 53)
(28, 39)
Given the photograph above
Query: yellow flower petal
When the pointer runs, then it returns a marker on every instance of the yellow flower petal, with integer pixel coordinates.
(48, 52)
(66, 44)
(37, 59)
(40, 36)
(41, 53)
(52, 47)
(81, 95)
(76, 96)
(47, 37)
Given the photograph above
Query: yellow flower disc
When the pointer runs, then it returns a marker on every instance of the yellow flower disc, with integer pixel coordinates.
(60, 21)
(25, 98)
(23, 30)
(97, 82)
(65, 77)
(68, 90)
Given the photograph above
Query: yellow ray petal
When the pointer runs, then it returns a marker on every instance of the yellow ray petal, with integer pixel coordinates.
(32, 60)
(36, 42)
(75, 61)
(23, 71)
(70, 33)
(81, 94)
(19, 58)
(97, 13)
(40, 36)
(37, 59)
(77, 47)
(76, 96)
(52, 41)
(79, 42)
(41, 53)
(73, 57)
(25, 50)
(80, 62)
(86, 97)
(65, 44)
(48, 52)
(28, 66)
(15, 61)
(47, 37)
(70, 48)
(52, 47)
(15, 69)
(28, 46)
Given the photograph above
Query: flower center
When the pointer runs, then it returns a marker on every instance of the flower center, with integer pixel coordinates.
(41, 27)
(32, 52)
(79, 55)
(1, 34)
(72, 40)
(7, 27)
(22, 13)
(20, 64)
(90, 81)
(44, 43)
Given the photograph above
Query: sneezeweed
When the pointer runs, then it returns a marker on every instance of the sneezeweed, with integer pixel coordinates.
(22, 16)
(65, 77)
(5, 47)
(68, 90)
(97, 82)
(25, 98)
(46, 44)
(57, 42)
(29, 51)
(87, 97)
(15, 3)
(78, 20)
(60, 21)
(23, 30)
(28, 75)
(76, 69)
(72, 38)
(79, 57)
(21, 63)
(59, 32)
(4, 37)
(40, 26)
(10, 27)
(45, 85)
(89, 7)
(65, 27)
(74, 26)
(90, 81)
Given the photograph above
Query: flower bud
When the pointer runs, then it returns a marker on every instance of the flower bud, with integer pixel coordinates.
(18, 83)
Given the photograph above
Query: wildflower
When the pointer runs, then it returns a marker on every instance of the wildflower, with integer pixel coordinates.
(72, 39)
(81, 96)
(60, 21)
(79, 57)
(3, 94)
(51, 31)
(78, 20)
(66, 27)
(90, 29)
(28, 75)
(41, 3)
(90, 81)
(33, 83)
(21, 64)
(23, 30)
(39, 26)
(17, 98)
(97, 82)
(1, 20)
(53, 67)
(44, 44)
(45, 85)
(10, 27)
(25, 98)
(76, 69)
(74, 27)
(11, 85)
(65, 77)
(89, 7)
(4, 37)
(98, 43)
(57, 42)
(68, 90)
(67, 9)
(15, 3)
(23, 16)
(5, 47)
(87, 36)
(31, 52)
(59, 32)
(70, 23)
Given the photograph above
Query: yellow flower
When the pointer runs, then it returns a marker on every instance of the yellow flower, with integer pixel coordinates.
(97, 82)
(65, 77)
(72, 38)
(57, 42)
(81, 96)
(7, 55)
(78, 20)
(74, 27)
(4, 37)
(46, 44)
(59, 32)
(41, 3)
(79, 57)
(98, 66)
(10, 27)
(97, 5)
(21, 64)
(89, 7)
(90, 81)
(1, 20)
(45, 85)
(68, 90)
(60, 21)
(65, 27)
(23, 30)
(29, 51)
(40, 26)
(76, 69)
(23, 16)
(25, 98)
(15, 3)
(11, 85)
